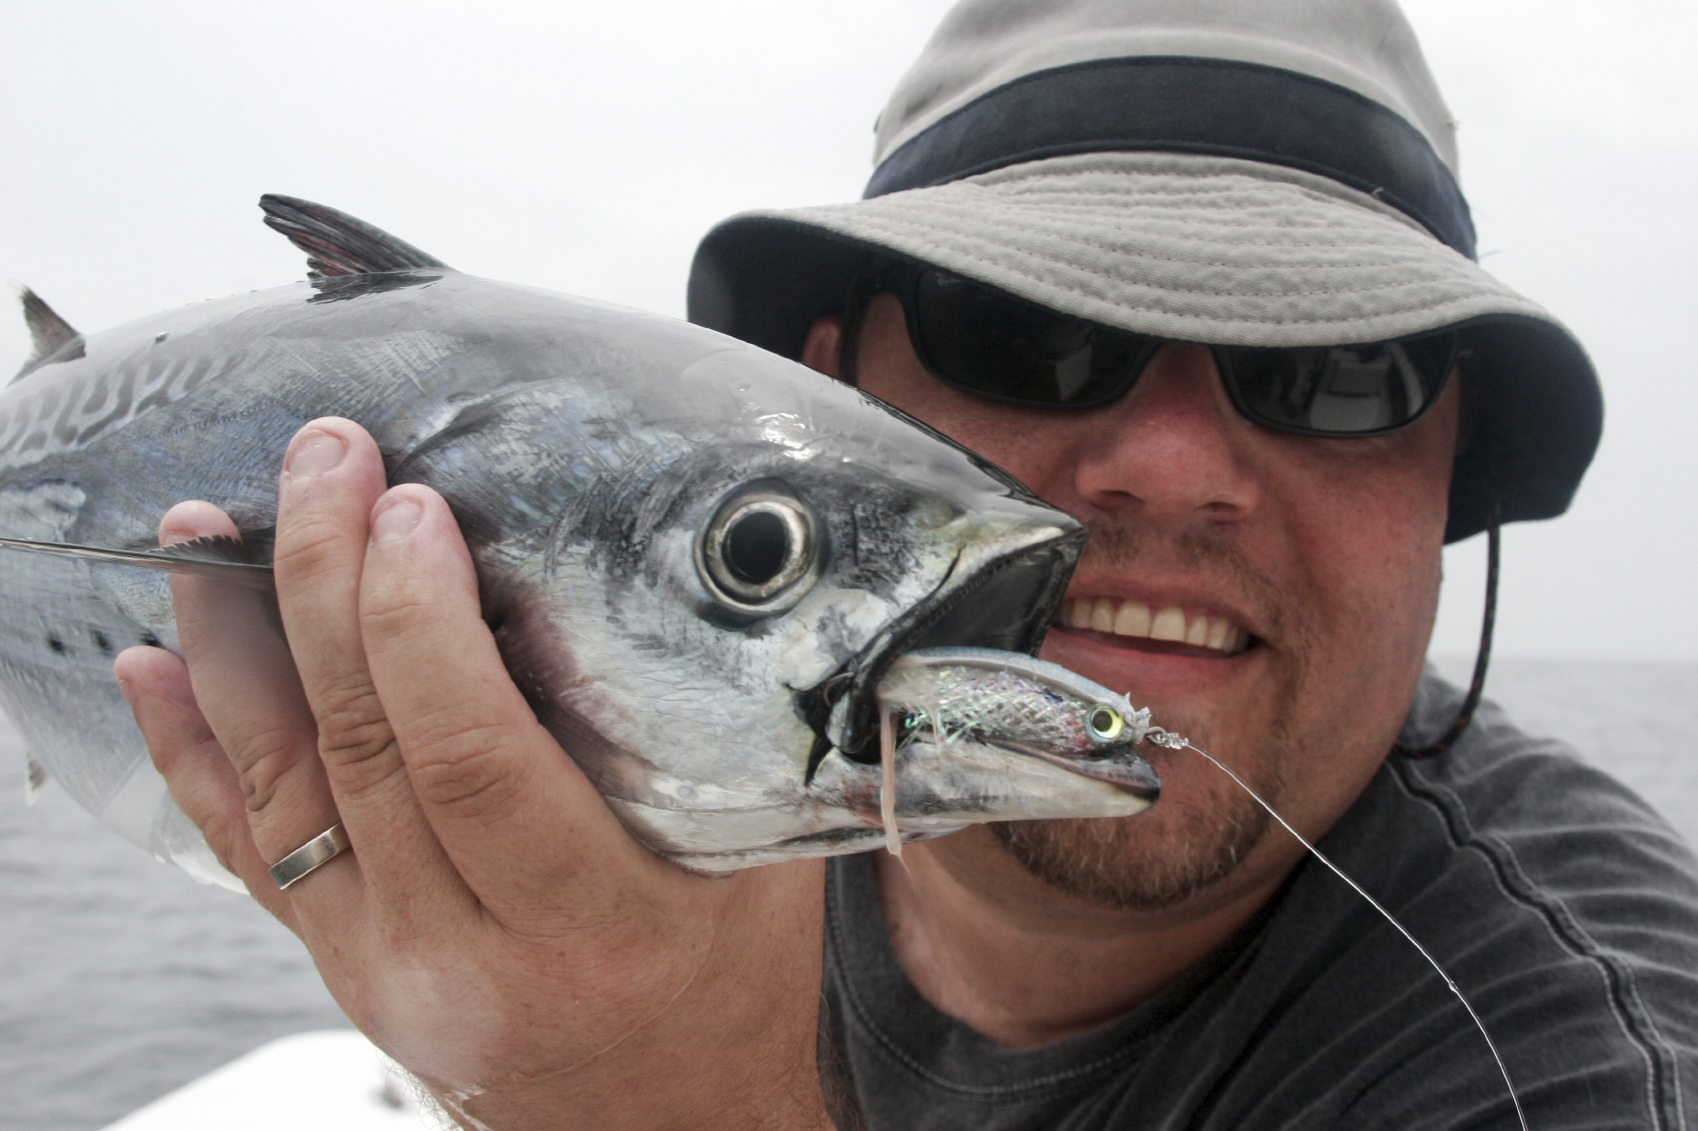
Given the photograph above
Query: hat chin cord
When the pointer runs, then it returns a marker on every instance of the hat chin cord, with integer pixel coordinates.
(1471, 702)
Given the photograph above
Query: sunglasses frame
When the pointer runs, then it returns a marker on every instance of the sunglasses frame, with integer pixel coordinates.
(902, 280)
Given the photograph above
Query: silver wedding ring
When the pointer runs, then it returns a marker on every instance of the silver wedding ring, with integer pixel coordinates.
(315, 853)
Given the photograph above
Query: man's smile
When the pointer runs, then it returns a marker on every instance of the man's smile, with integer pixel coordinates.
(1169, 643)
(1137, 624)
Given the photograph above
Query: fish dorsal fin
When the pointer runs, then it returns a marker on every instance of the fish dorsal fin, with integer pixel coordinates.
(338, 244)
(54, 338)
(47, 330)
(218, 558)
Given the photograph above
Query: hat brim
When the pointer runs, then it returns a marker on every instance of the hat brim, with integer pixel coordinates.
(1201, 249)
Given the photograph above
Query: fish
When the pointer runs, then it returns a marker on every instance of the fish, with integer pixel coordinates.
(700, 561)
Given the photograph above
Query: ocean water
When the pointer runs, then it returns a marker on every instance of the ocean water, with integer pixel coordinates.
(122, 979)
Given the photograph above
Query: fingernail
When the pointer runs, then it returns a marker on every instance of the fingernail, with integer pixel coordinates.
(396, 521)
(315, 454)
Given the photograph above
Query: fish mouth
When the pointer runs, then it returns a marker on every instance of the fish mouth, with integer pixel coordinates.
(966, 610)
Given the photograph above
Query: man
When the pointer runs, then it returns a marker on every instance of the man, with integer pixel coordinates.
(1071, 196)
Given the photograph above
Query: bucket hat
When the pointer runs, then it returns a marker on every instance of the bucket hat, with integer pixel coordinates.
(1229, 172)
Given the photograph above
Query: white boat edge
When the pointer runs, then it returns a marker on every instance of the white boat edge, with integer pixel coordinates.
(328, 1080)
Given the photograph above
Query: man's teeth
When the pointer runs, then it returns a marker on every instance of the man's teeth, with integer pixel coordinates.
(1134, 618)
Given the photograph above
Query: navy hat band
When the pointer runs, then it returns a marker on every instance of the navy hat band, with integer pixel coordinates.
(1180, 104)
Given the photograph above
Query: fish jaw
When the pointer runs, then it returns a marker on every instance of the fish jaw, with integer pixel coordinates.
(942, 787)
(938, 791)
(1121, 768)
(998, 770)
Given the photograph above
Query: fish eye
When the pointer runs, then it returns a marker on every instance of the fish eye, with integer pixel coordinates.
(759, 552)
(1104, 723)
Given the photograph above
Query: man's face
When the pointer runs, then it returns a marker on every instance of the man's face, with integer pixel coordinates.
(1317, 561)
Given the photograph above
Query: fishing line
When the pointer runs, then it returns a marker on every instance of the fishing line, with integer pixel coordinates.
(1178, 742)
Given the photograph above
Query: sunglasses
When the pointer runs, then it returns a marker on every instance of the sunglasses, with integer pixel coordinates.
(1001, 348)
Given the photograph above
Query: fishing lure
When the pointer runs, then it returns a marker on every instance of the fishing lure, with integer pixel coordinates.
(934, 697)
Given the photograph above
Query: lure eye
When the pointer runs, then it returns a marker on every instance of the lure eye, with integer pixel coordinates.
(759, 552)
(1104, 723)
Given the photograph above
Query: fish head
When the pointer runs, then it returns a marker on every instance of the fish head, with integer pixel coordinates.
(726, 582)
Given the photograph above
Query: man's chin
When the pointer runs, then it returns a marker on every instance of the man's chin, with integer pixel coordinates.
(1115, 863)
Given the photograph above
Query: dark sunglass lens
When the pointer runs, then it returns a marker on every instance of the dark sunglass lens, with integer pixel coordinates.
(997, 346)
(1342, 390)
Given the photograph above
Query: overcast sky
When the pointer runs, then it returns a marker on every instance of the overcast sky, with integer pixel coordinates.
(586, 147)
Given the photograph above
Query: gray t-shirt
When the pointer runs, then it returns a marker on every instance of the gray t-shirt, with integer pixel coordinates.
(1565, 909)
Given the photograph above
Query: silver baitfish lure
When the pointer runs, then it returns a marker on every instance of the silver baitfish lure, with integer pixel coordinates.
(995, 719)
(1019, 703)
(701, 561)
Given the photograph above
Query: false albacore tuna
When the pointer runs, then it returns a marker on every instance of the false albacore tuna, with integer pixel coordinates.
(699, 559)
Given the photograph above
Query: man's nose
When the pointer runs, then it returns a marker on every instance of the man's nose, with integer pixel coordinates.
(1174, 448)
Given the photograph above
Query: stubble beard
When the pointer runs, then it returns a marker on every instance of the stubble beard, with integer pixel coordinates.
(1114, 861)
(1111, 861)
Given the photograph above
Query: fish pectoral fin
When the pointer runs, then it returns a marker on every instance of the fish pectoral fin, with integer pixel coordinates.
(217, 558)
(338, 244)
(36, 778)
(54, 338)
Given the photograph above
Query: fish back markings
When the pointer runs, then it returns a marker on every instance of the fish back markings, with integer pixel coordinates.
(70, 413)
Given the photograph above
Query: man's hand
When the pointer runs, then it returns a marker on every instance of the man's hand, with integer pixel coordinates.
(495, 929)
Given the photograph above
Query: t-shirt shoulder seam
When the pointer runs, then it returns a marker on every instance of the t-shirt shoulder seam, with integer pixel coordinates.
(1621, 987)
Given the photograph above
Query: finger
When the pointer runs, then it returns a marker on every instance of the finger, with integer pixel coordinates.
(245, 683)
(332, 473)
(200, 777)
(512, 810)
